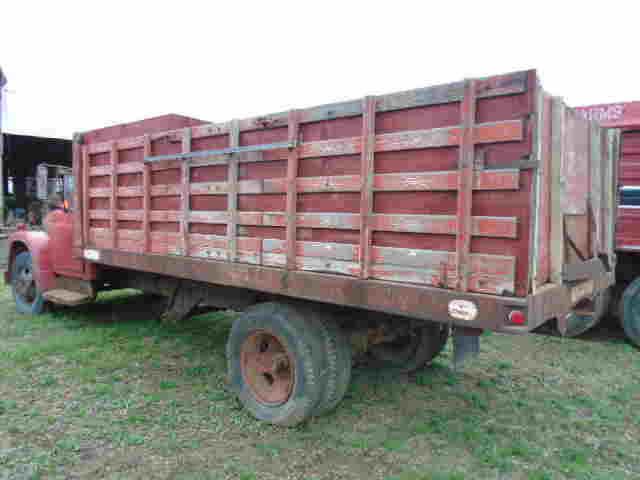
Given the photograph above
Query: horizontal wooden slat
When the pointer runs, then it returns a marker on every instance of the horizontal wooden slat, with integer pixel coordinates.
(165, 165)
(100, 214)
(330, 148)
(341, 183)
(164, 216)
(488, 273)
(129, 167)
(340, 221)
(100, 171)
(497, 265)
(266, 219)
(100, 192)
(477, 283)
(132, 215)
(327, 250)
(166, 190)
(505, 227)
(495, 132)
(312, 264)
(121, 144)
(445, 180)
(208, 188)
(413, 140)
(216, 217)
(130, 191)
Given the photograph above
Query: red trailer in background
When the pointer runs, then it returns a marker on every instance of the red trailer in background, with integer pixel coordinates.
(371, 226)
(626, 300)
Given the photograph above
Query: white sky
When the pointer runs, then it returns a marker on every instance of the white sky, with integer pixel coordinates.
(74, 66)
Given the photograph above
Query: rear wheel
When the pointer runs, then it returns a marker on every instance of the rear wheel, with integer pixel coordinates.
(413, 350)
(338, 364)
(277, 363)
(578, 323)
(630, 317)
(29, 299)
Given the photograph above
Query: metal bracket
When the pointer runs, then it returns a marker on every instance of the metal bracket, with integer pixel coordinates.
(466, 344)
(222, 151)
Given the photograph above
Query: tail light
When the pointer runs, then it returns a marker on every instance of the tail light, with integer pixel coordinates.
(517, 317)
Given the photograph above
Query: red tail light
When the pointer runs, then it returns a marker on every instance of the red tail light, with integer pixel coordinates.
(516, 317)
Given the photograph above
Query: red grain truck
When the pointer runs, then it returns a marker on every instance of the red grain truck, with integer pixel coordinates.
(377, 225)
(626, 294)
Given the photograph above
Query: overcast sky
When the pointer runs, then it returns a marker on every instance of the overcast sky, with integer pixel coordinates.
(74, 66)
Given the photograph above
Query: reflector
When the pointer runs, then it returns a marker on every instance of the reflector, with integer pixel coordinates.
(517, 317)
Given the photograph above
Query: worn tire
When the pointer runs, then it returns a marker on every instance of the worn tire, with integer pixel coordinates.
(578, 324)
(338, 364)
(413, 352)
(302, 341)
(630, 315)
(31, 303)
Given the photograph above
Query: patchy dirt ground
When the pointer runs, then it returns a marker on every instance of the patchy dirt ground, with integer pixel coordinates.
(107, 392)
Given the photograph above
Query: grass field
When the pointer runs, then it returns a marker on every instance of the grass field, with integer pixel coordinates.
(107, 392)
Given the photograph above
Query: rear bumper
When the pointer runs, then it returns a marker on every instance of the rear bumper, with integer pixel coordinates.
(556, 301)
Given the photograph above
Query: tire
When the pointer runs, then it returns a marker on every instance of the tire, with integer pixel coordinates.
(28, 297)
(276, 359)
(338, 364)
(577, 324)
(630, 317)
(415, 350)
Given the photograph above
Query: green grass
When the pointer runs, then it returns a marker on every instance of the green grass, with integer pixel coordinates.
(108, 392)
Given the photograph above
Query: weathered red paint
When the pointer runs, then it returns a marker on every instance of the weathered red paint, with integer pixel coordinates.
(392, 202)
(37, 243)
(626, 116)
(613, 115)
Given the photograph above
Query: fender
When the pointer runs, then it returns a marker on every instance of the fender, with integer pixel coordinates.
(38, 245)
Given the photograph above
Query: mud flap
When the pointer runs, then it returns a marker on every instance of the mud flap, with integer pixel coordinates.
(466, 344)
(181, 304)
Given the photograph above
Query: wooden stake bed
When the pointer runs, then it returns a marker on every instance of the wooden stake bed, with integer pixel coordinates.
(466, 187)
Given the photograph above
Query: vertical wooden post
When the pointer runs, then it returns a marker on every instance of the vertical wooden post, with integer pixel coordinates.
(292, 189)
(366, 181)
(113, 198)
(78, 234)
(185, 197)
(86, 204)
(146, 199)
(232, 193)
(556, 228)
(465, 185)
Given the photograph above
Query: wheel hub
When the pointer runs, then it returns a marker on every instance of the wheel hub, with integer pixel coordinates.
(267, 368)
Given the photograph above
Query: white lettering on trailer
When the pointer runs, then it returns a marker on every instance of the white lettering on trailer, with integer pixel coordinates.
(603, 113)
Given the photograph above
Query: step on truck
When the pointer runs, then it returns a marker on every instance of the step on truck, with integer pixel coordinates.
(380, 227)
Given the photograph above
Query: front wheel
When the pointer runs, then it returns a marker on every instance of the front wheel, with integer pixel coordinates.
(630, 317)
(29, 299)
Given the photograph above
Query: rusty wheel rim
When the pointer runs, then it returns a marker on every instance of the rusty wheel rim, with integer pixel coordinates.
(267, 368)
